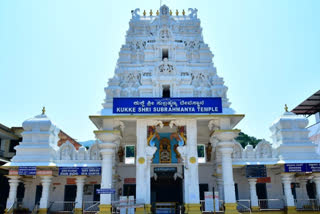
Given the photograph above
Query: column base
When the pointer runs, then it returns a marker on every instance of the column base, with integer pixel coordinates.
(43, 211)
(142, 210)
(230, 208)
(78, 211)
(105, 209)
(193, 208)
(7, 212)
(291, 209)
(255, 208)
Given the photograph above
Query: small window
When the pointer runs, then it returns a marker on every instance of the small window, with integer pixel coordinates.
(13, 143)
(201, 154)
(165, 53)
(129, 155)
(166, 91)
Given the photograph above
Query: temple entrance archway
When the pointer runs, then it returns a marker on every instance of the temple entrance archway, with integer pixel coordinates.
(166, 188)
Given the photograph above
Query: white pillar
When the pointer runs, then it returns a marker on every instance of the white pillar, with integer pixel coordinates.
(106, 174)
(13, 183)
(316, 179)
(286, 180)
(46, 182)
(191, 178)
(225, 147)
(29, 194)
(227, 174)
(253, 192)
(303, 189)
(80, 180)
(141, 162)
(220, 187)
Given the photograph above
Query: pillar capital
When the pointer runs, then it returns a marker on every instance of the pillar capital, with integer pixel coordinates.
(108, 136)
(287, 177)
(226, 135)
(316, 177)
(80, 178)
(252, 181)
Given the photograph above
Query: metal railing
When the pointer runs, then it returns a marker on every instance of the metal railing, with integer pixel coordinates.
(62, 207)
(244, 205)
(12, 207)
(90, 206)
(307, 204)
(271, 204)
(221, 206)
(35, 209)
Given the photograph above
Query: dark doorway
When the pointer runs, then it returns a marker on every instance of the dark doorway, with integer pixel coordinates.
(38, 194)
(166, 189)
(70, 192)
(20, 192)
(96, 196)
(129, 189)
(311, 190)
(165, 53)
(236, 191)
(203, 188)
(166, 91)
(262, 194)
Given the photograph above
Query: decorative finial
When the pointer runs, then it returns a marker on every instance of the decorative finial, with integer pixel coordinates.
(157, 12)
(177, 12)
(151, 12)
(183, 12)
(43, 110)
(286, 107)
(144, 13)
(170, 12)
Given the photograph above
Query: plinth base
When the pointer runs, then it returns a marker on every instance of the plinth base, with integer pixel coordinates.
(104, 209)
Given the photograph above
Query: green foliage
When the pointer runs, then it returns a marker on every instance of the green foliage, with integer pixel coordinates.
(245, 139)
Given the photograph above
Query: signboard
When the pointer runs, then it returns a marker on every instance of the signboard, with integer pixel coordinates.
(68, 171)
(27, 170)
(123, 201)
(131, 204)
(313, 167)
(208, 201)
(165, 169)
(129, 180)
(302, 167)
(256, 171)
(106, 191)
(148, 105)
(264, 180)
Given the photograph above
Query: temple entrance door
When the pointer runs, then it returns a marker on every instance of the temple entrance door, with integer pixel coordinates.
(166, 189)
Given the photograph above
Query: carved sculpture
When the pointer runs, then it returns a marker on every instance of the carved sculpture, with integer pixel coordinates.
(165, 150)
(120, 154)
(208, 152)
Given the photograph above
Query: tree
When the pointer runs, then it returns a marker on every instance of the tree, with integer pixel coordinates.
(245, 139)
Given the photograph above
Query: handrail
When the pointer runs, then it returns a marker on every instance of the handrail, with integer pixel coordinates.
(35, 209)
(246, 208)
(306, 204)
(91, 207)
(271, 204)
(11, 208)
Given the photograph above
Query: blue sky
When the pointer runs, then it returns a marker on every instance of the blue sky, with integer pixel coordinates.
(60, 54)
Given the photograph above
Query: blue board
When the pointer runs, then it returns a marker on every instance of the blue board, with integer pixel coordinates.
(68, 171)
(27, 170)
(106, 191)
(151, 105)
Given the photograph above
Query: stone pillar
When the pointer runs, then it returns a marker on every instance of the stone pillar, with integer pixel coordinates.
(29, 193)
(80, 180)
(225, 147)
(13, 183)
(220, 187)
(253, 194)
(303, 188)
(316, 180)
(109, 140)
(286, 180)
(144, 157)
(191, 173)
(46, 182)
